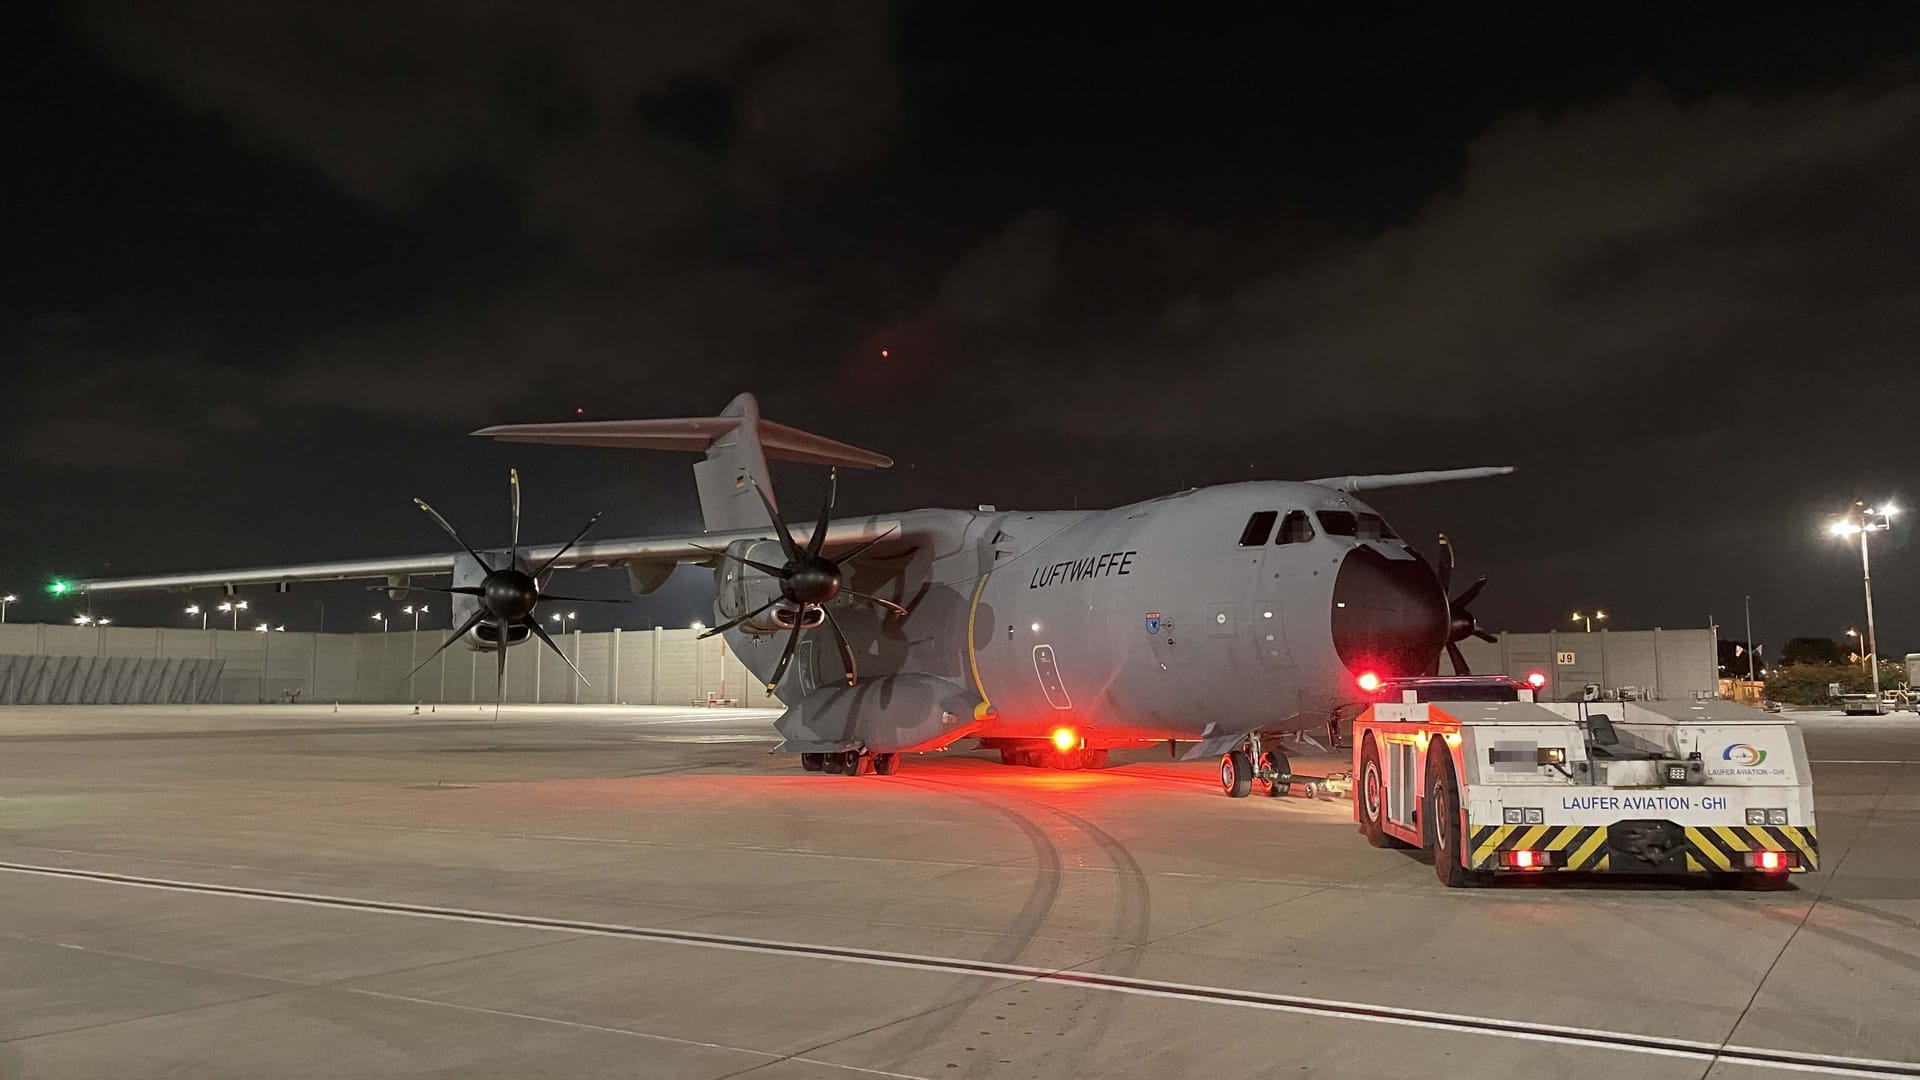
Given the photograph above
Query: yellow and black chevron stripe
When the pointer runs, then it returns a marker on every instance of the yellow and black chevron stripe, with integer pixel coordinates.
(1579, 847)
(1722, 847)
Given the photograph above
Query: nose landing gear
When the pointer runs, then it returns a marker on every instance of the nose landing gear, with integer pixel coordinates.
(1252, 763)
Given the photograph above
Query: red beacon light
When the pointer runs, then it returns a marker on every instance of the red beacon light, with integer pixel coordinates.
(1065, 739)
(1536, 679)
(1369, 681)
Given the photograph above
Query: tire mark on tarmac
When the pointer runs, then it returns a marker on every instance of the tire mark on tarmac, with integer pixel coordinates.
(917, 1033)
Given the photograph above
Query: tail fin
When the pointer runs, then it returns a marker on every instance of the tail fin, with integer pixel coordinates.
(738, 444)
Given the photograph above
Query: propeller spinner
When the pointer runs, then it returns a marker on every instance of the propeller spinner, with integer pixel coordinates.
(807, 580)
(508, 595)
(1460, 621)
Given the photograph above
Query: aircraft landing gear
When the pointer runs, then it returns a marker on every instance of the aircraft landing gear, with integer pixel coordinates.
(813, 762)
(886, 764)
(1046, 757)
(1236, 774)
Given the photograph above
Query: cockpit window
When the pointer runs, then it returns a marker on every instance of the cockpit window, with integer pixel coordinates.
(1363, 526)
(1296, 529)
(1259, 527)
(1375, 527)
(1338, 522)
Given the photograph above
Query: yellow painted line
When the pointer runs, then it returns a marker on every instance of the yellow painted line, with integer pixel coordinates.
(1585, 851)
(984, 706)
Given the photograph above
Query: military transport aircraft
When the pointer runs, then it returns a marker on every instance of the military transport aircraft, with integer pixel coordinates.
(1217, 617)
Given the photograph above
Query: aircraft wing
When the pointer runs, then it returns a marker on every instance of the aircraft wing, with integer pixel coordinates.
(648, 560)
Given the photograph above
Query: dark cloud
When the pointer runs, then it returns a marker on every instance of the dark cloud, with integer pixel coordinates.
(291, 254)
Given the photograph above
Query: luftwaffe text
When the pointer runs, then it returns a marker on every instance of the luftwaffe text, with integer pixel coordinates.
(1106, 564)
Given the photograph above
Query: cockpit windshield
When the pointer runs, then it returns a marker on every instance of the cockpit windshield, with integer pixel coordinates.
(1361, 526)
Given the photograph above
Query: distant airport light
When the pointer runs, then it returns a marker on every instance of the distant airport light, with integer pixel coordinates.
(101, 622)
(1369, 681)
(58, 587)
(697, 626)
(1536, 679)
(262, 628)
(83, 620)
(1065, 739)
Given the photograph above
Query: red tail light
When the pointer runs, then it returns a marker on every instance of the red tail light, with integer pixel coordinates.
(1772, 861)
(1369, 681)
(1525, 860)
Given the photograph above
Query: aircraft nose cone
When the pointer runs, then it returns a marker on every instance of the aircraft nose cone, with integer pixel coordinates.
(1389, 616)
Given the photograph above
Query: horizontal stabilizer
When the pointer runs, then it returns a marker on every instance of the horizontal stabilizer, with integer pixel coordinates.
(1410, 479)
(694, 434)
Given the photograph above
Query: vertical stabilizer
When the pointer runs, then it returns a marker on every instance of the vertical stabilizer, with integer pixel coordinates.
(727, 499)
(738, 443)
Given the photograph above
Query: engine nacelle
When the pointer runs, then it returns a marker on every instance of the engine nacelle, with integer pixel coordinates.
(486, 635)
(742, 589)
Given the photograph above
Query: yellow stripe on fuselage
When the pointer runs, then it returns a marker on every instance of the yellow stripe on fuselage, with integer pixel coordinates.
(985, 705)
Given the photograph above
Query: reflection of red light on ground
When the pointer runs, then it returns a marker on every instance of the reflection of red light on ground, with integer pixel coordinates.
(1065, 738)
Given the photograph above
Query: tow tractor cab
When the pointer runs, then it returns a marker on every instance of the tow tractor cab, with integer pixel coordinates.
(1495, 783)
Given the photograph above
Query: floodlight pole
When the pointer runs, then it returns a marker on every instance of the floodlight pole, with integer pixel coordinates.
(1866, 583)
(1750, 639)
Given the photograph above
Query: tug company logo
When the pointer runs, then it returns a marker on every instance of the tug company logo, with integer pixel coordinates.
(1744, 756)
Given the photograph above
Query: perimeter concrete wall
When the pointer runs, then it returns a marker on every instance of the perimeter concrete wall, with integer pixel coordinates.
(625, 667)
(1669, 665)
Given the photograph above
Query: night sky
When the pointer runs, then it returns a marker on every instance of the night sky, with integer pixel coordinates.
(266, 264)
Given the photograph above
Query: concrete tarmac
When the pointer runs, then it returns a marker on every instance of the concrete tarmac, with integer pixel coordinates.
(580, 891)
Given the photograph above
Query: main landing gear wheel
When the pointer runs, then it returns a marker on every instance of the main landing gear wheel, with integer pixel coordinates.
(1093, 759)
(1236, 774)
(833, 763)
(849, 762)
(886, 764)
(1273, 765)
(813, 762)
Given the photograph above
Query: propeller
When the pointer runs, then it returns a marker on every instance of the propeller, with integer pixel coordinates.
(808, 579)
(1460, 621)
(508, 595)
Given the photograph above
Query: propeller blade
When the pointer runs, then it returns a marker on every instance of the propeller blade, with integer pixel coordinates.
(513, 486)
(856, 552)
(819, 538)
(793, 642)
(455, 636)
(500, 677)
(731, 623)
(533, 624)
(568, 546)
(544, 597)
(764, 568)
(1459, 660)
(448, 529)
(1473, 590)
(1446, 565)
(888, 604)
(787, 545)
(1484, 636)
(846, 650)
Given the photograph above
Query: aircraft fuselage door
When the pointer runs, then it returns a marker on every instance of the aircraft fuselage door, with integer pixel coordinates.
(1046, 668)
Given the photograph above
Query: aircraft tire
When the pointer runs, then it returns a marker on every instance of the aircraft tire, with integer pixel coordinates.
(1370, 795)
(886, 764)
(1276, 762)
(833, 763)
(813, 762)
(849, 762)
(1010, 756)
(1093, 759)
(1236, 774)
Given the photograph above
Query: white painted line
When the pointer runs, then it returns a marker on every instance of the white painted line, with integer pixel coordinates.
(1458, 1023)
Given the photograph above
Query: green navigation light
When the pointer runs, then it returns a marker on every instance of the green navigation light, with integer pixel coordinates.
(60, 588)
